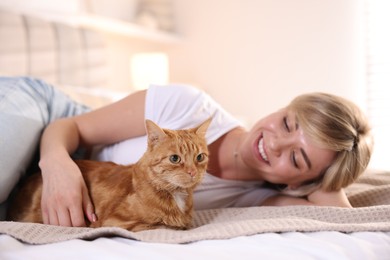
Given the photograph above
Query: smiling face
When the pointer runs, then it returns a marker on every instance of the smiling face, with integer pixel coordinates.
(278, 151)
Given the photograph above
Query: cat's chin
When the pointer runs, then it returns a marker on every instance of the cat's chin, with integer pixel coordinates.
(188, 186)
(185, 184)
(183, 181)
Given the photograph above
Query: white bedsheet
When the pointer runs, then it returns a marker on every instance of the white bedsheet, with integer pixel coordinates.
(293, 245)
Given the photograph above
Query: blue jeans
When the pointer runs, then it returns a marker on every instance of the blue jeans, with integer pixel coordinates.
(27, 106)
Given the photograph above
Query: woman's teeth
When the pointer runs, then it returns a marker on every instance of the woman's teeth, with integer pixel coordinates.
(261, 150)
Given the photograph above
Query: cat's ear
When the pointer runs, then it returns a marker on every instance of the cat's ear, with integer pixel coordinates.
(155, 133)
(202, 128)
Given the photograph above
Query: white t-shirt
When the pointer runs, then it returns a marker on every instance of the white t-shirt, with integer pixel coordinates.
(180, 107)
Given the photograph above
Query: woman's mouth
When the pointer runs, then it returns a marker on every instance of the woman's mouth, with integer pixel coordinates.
(261, 150)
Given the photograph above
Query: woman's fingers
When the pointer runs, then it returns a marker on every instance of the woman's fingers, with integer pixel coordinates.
(63, 210)
(65, 197)
(45, 213)
(88, 207)
(62, 218)
(77, 216)
(73, 217)
(52, 217)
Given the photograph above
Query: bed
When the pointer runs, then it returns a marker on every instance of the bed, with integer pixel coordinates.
(74, 60)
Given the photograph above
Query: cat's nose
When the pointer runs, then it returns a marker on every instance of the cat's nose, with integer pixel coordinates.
(192, 172)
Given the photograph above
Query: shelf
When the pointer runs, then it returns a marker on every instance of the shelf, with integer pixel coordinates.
(125, 29)
(75, 17)
(110, 25)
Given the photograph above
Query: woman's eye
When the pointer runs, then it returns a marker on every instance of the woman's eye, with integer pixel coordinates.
(174, 158)
(200, 157)
(294, 159)
(286, 124)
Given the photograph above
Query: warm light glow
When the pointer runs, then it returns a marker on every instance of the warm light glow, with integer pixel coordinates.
(149, 68)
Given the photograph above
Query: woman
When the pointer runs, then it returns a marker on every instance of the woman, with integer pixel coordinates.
(303, 154)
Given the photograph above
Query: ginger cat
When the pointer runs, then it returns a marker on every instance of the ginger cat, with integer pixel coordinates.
(154, 192)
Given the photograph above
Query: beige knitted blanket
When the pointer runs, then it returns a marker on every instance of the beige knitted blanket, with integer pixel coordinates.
(370, 196)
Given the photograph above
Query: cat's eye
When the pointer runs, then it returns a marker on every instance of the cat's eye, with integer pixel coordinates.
(174, 158)
(200, 157)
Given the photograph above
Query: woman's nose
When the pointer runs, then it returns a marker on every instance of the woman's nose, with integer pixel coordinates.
(278, 143)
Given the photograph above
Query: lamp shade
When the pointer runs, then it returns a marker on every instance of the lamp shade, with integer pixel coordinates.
(149, 68)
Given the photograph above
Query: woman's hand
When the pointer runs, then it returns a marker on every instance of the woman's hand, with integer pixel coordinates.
(65, 197)
(329, 198)
(317, 198)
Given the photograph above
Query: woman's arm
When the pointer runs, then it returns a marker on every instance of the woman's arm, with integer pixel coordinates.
(65, 197)
(317, 198)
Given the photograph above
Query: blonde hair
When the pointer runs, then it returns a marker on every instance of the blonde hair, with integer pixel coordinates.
(337, 124)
